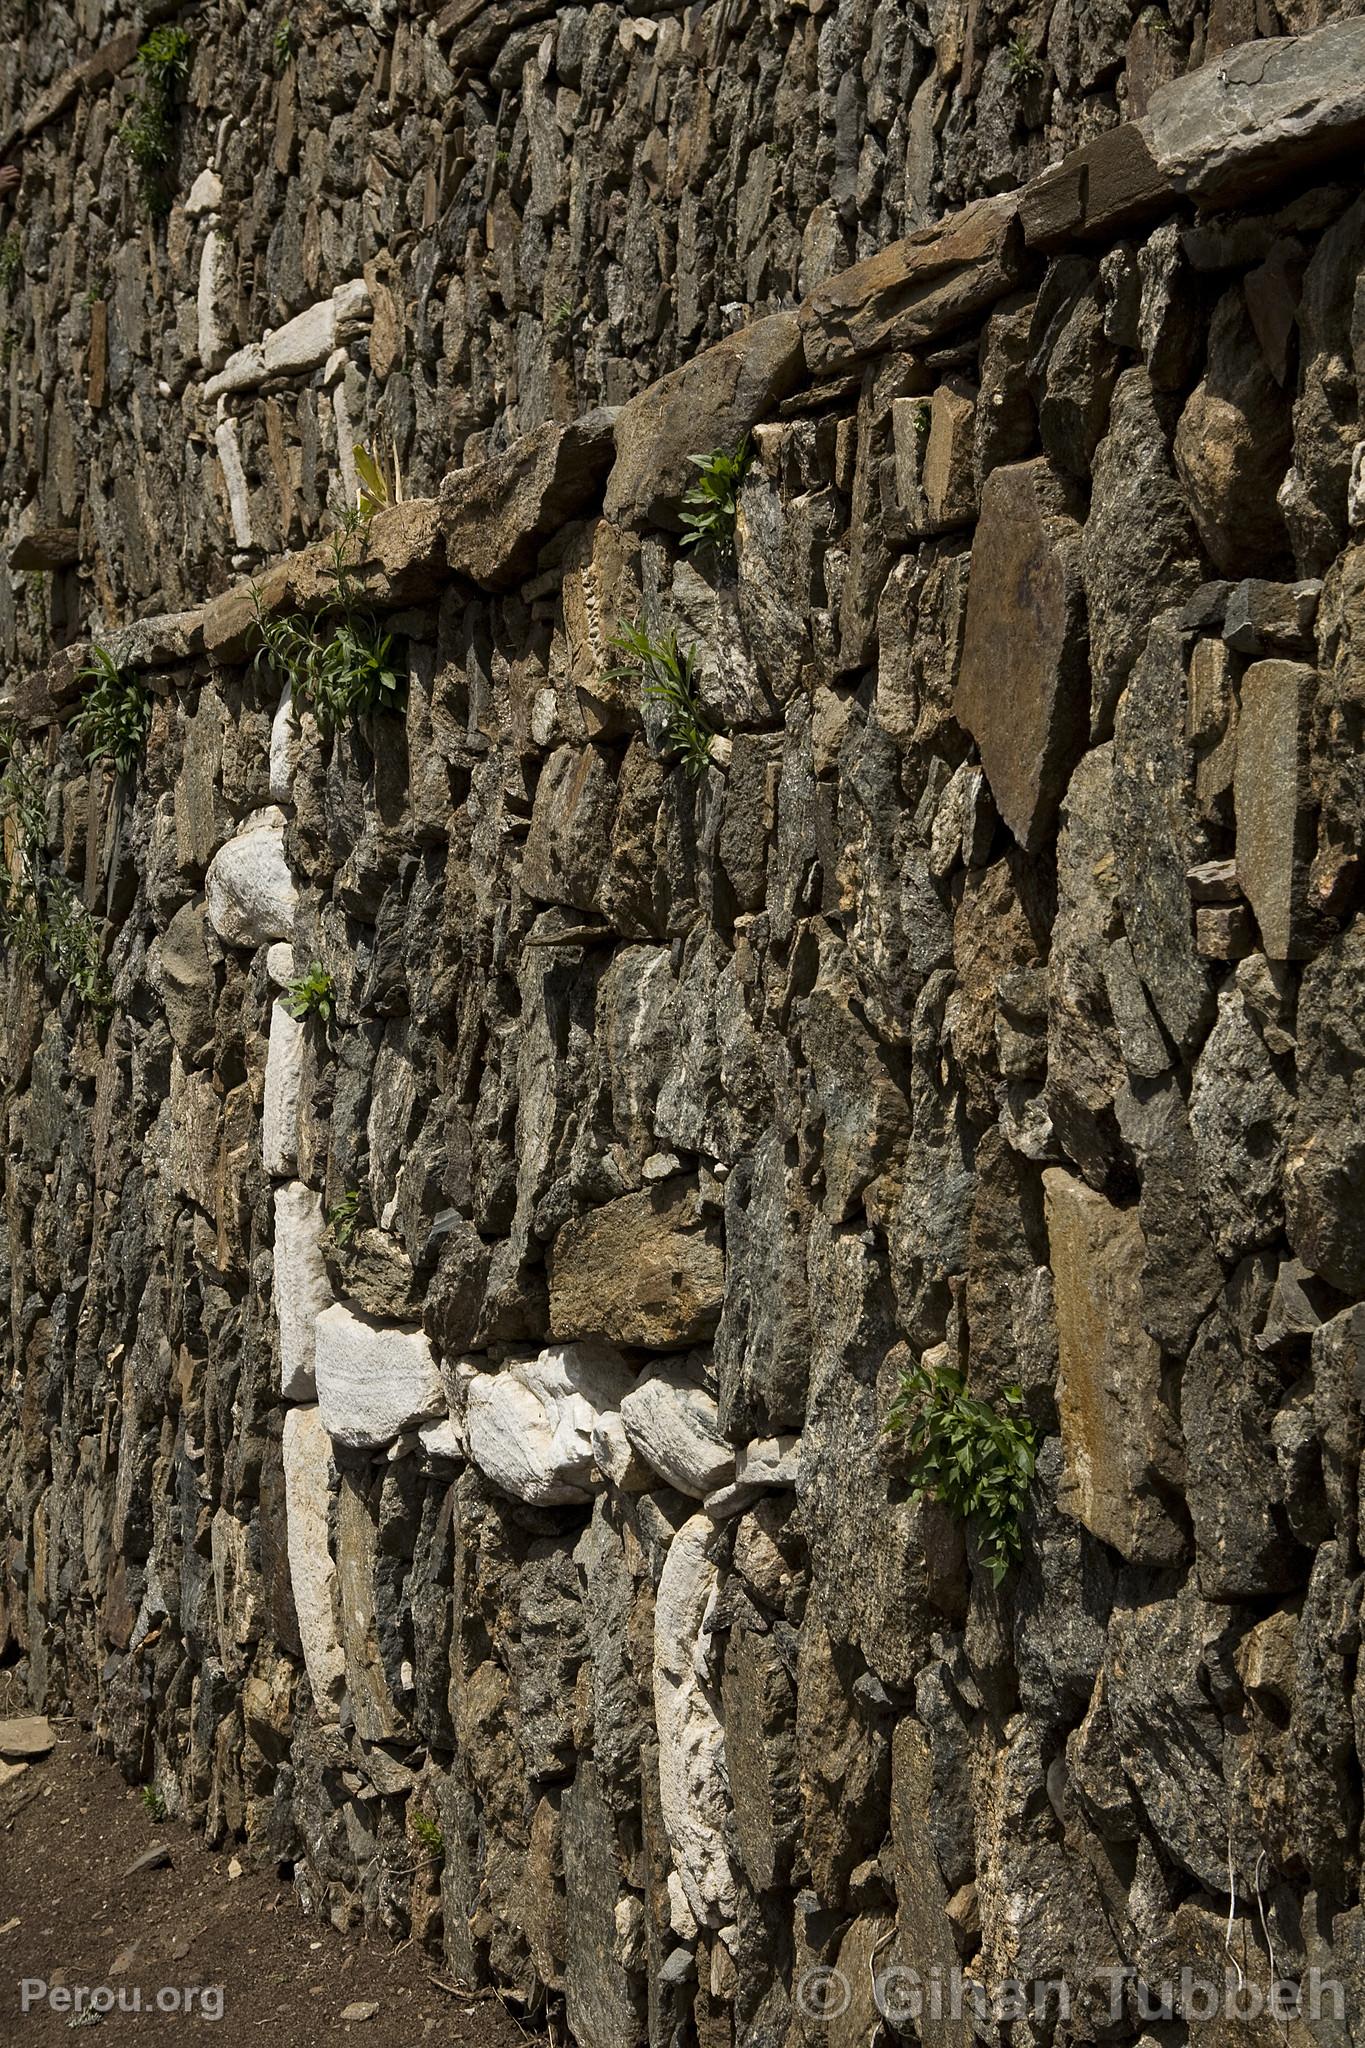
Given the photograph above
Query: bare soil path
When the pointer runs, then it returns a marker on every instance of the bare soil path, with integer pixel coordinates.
(188, 1937)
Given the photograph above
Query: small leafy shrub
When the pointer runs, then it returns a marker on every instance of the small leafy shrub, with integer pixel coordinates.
(311, 995)
(284, 44)
(114, 715)
(343, 1218)
(427, 1835)
(153, 1799)
(11, 263)
(1023, 61)
(148, 132)
(667, 678)
(710, 506)
(339, 662)
(976, 1461)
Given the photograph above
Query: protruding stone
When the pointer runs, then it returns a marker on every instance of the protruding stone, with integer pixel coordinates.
(1324, 1178)
(1272, 797)
(673, 1423)
(497, 513)
(1024, 684)
(934, 280)
(1259, 113)
(1119, 1438)
(302, 1289)
(692, 1779)
(709, 403)
(374, 1379)
(250, 891)
(309, 1478)
(530, 1426)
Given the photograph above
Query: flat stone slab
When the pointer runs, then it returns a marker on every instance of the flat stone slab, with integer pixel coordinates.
(25, 1737)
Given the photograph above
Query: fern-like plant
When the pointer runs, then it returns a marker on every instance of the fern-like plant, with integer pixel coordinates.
(115, 712)
(710, 506)
(311, 995)
(667, 677)
(338, 661)
(343, 1218)
(978, 1462)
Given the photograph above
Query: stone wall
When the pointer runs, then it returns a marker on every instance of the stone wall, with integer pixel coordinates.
(472, 1408)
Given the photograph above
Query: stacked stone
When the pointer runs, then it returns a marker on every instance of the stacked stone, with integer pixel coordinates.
(990, 1001)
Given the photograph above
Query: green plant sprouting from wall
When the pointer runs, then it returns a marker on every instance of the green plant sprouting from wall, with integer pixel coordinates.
(154, 1801)
(427, 1834)
(43, 921)
(710, 506)
(1023, 61)
(977, 1461)
(148, 131)
(667, 677)
(343, 1218)
(311, 995)
(115, 712)
(337, 660)
(284, 44)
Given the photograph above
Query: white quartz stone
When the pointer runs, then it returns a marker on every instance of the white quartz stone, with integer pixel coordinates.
(210, 305)
(614, 1457)
(769, 1461)
(308, 1475)
(234, 477)
(284, 748)
(693, 1792)
(374, 1379)
(530, 1426)
(249, 890)
(205, 194)
(673, 1424)
(444, 1439)
(283, 1080)
(302, 1289)
(279, 964)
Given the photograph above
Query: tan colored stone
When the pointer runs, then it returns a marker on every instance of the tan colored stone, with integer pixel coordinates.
(645, 1269)
(918, 288)
(1271, 797)
(1123, 1462)
(496, 514)
(1024, 686)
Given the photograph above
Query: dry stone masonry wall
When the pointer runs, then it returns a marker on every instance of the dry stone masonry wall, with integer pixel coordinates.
(468, 1412)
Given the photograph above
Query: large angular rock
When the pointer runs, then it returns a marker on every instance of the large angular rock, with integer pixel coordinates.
(1156, 835)
(249, 890)
(1240, 1113)
(1023, 689)
(374, 1380)
(187, 983)
(692, 1778)
(934, 280)
(497, 513)
(1170, 1738)
(1232, 448)
(1123, 1460)
(1324, 1176)
(1139, 552)
(1272, 799)
(673, 1424)
(302, 1289)
(529, 1427)
(283, 1081)
(645, 1269)
(709, 403)
(1259, 114)
(309, 1479)
(1229, 1392)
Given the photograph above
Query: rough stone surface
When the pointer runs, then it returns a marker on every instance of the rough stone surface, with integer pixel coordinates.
(250, 892)
(302, 1288)
(646, 1269)
(671, 1420)
(373, 1381)
(1022, 689)
(530, 1427)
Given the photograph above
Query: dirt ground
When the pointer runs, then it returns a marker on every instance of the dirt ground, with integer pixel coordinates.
(188, 1937)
